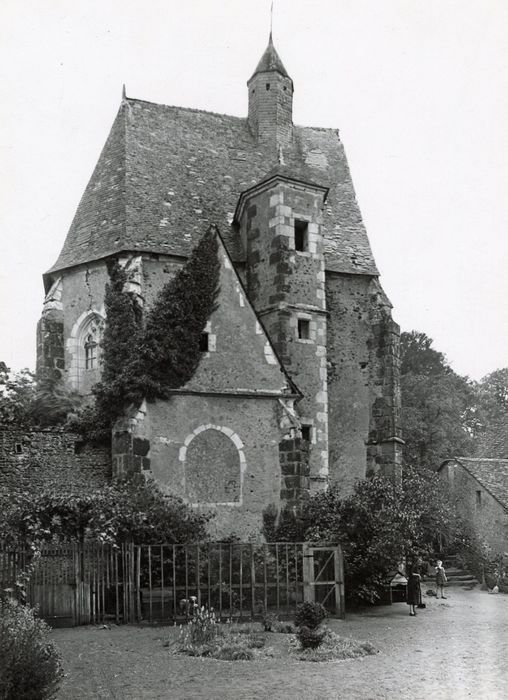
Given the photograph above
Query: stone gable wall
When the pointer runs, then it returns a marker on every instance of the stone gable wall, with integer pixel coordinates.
(33, 460)
(489, 518)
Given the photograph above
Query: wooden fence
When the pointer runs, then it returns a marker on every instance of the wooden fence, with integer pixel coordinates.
(73, 585)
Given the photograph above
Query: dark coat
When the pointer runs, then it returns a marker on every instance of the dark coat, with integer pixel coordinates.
(414, 591)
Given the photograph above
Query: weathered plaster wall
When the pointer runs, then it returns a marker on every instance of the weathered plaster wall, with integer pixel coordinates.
(364, 404)
(33, 460)
(221, 450)
(489, 518)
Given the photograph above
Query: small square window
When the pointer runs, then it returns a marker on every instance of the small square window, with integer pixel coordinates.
(301, 235)
(18, 448)
(478, 498)
(307, 432)
(203, 342)
(303, 329)
(267, 86)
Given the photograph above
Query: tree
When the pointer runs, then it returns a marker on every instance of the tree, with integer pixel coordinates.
(17, 393)
(438, 405)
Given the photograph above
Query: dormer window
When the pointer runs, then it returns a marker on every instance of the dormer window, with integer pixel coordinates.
(301, 235)
(90, 352)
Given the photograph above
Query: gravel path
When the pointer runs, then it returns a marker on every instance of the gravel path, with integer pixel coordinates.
(456, 648)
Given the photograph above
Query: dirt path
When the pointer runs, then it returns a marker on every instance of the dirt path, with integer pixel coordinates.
(456, 648)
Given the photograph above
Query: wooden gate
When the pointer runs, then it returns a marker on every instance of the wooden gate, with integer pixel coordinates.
(323, 576)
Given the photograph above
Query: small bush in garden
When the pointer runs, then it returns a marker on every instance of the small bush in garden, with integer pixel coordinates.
(310, 615)
(309, 638)
(29, 662)
(333, 648)
(269, 621)
(203, 628)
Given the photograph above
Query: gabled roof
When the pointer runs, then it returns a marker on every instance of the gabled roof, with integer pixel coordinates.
(166, 172)
(492, 474)
(270, 61)
(259, 371)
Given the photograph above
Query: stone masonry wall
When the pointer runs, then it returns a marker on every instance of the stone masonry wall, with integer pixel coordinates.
(489, 518)
(219, 453)
(364, 404)
(294, 465)
(287, 286)
(34, 460)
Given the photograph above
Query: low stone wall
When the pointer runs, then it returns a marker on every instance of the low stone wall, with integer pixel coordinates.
(32, 460)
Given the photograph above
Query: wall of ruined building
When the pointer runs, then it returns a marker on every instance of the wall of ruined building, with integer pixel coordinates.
(220, 453)
(363, 390)
(33, 460)
(488, 518)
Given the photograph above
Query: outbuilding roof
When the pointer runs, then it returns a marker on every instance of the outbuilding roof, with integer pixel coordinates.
(492, 474)
(166, 173)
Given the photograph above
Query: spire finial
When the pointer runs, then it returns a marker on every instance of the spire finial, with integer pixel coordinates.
(271, 23)
(124, 93)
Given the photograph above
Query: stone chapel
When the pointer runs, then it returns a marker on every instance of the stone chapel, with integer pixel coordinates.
(297, 386)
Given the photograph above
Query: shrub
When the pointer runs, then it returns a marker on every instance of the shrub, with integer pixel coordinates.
(309, 638)
(203, 628)
(29, 663)
(310, 615)
(334, 648)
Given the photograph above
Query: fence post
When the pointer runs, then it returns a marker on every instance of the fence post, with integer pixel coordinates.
(309, 592)
(340, 603)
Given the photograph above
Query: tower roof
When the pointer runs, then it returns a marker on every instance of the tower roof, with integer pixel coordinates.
(270, 61)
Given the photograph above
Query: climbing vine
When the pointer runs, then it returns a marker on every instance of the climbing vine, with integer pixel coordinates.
(169, 353)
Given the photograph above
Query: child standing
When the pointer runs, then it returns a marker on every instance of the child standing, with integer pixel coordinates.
(440, 579)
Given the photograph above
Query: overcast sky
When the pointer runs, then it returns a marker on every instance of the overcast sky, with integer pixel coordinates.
(419, 91)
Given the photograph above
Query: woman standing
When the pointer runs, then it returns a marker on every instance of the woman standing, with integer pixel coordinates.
(440, 579)
(414, 591)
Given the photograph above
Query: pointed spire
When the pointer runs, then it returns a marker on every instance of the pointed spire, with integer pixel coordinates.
(124, 93)
(270, 61)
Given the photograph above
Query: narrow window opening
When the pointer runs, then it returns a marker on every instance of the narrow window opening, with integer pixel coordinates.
(90, 353)
(18, 448)
(203, 342)
(307, 432)
(303, 329)
(478, 498)
(267, 86)
(301, 235)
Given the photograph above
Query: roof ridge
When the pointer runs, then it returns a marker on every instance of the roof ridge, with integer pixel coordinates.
(186, 109)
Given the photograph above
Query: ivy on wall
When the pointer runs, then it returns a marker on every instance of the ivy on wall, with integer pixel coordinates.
(169, 353)
(147, 360)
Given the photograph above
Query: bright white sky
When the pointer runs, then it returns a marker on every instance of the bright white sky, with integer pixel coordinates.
(419, 91)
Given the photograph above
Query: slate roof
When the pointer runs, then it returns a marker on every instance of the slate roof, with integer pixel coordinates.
(166, 173)
(270, 61)
(492, 474)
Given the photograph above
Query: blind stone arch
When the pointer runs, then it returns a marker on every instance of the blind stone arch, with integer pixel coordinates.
(214, 466)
